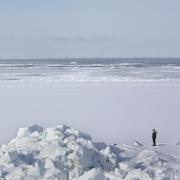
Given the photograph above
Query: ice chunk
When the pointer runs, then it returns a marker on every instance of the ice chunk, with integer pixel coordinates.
(64, 153)
(137, 143)
(78, 134)
(35, 127)
(100, 146)
(22, 132)
(83, 157)
(69, 139)
(93, 174)
(52, 134)
(138, 174)
(10, 156)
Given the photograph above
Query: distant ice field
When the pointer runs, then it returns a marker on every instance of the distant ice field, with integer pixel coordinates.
(96, 69)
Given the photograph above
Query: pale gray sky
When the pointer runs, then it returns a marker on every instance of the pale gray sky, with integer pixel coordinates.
(89, 28)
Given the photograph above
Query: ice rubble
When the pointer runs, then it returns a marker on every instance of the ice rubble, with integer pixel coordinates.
(62, 153)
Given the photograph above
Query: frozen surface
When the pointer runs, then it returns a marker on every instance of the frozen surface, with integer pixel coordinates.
(63, 153)
(90, 70)
(127, 110)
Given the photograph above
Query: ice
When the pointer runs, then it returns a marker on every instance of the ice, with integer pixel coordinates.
(95, 174)
(64, 153)
(136, 143)
(90, 70)
(35, 128)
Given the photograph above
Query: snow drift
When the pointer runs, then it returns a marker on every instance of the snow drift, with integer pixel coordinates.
(62, 153)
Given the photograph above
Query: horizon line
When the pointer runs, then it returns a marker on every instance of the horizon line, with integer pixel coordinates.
(56, 58)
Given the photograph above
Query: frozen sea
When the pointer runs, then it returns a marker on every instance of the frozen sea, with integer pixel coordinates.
(127, 69)
(114, 100)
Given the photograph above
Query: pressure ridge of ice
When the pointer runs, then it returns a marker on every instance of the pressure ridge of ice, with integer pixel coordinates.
(63, 153)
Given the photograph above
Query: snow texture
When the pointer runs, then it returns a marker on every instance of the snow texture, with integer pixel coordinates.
(63, 153)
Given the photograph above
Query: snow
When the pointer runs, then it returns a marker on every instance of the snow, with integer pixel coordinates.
(86, 106)
(64, 153)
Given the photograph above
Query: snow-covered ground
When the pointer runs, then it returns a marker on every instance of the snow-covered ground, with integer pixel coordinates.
(127, 110)
(63, 153)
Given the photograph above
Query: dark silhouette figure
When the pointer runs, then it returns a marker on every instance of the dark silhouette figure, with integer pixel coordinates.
(154, 134)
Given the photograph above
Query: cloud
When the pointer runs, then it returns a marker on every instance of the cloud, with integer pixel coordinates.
(86, 39)
(64, 39)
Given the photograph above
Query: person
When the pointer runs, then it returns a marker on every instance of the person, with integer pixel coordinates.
(154, 134)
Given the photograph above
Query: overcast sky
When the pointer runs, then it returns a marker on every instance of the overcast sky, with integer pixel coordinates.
(89, 28)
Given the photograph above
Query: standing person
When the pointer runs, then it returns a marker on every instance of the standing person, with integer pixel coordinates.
(154, 134)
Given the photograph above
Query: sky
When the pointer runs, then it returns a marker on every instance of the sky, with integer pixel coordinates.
(89, 28)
